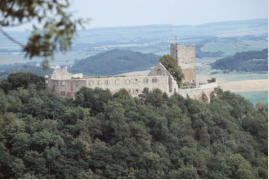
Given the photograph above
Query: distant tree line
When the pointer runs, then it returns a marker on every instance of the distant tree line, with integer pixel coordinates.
(8, 69)
(100, 135)
(249, 61)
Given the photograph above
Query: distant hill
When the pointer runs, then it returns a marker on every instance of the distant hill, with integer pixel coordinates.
(5, 70)
(249, 61)
(217, 39)
(114, 62)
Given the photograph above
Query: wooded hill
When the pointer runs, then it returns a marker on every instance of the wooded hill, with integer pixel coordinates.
(7, 69)
(249, 61)
(100, 135)
(115, 62)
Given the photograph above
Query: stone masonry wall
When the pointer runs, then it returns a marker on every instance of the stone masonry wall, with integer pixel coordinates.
(133, 84)
(186, 54)
(186, 59)
(203, 92)
(189, 74)
(173, 50)
(160, 70)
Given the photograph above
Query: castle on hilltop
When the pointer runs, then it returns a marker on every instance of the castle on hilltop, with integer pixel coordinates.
(65, 84)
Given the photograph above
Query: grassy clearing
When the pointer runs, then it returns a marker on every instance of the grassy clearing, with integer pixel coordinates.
(230, 47)
(204, 70)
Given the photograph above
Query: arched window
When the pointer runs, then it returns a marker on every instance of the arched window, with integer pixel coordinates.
(106, 82)
(146, 80)
(99, 82)
(135, 81)
(117, 82)
(154, 80)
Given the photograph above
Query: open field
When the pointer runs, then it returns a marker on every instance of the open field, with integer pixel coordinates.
(245, 85)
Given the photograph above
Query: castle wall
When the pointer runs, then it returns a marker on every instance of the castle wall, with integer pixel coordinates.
(203, 92)
(133, 84)
(189, 74)
(186, 54)
(66, 88)
(186, 59)
(66, 84)
(173, 50)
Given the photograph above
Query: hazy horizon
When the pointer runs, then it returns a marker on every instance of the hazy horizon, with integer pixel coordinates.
(126, 13)
(175, 12)
(129, 26)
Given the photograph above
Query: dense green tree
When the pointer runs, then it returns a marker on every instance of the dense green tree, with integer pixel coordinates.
(100, 135)
(53, 27)
(23, 80)
(171, 65)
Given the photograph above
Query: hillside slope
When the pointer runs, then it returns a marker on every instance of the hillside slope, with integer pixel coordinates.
(100, 135)
(249, 61)
(7, 69)
(114, 62)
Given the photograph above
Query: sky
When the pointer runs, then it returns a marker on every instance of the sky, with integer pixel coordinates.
(110, 13)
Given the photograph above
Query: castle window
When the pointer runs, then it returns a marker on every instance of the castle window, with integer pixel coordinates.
(91, 83)
(154, 80)
(99, 82)
(117, 82)
(106, 82)
(62, 83)
(146, 80)
(62, 93)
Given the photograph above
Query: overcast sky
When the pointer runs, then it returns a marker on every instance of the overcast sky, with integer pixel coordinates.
(107, 13)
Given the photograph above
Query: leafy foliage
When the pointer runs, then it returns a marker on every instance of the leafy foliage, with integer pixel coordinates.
(171, 65)
(249, 61)
(100, 135)
(53, 26)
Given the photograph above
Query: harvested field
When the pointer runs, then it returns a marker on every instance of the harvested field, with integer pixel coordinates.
(245, 86)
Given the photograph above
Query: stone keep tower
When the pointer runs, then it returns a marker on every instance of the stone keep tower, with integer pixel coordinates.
(186, 59)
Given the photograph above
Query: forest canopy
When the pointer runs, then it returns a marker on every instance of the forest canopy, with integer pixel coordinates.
(104, 135)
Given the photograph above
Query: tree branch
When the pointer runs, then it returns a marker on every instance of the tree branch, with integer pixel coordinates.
(11, 38)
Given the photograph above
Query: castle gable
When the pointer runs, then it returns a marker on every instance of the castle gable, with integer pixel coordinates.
(159, 70)
(61, 74)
